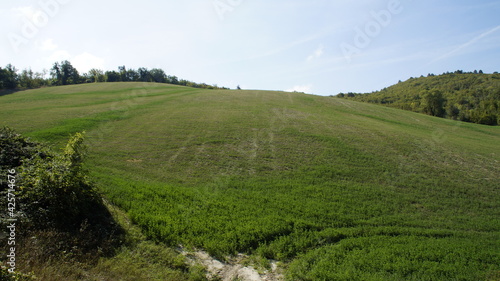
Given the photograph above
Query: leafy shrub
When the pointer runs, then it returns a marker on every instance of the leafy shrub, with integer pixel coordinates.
(54, 194)
(55, 191)
(13, 149)
(8, 276)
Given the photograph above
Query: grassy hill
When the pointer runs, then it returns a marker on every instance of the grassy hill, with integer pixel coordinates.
(333, 188)
(470, 97)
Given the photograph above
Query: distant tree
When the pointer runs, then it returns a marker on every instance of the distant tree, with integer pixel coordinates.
(97, 75)
(70, 74)
(158, 75)
(143, 75)
(133, 75)
(2, 78)
(112, 76)
(452, 111)
(64, 73)
(173, 80)
(481, 72)
(183, 82)
(8, 77)
(128, 75)
(238, 88)
(27, 79)
(39, 79)
(123, 73)
(433, 103)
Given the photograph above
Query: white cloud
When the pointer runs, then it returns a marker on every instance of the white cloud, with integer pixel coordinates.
(85, 62)
(317, 54)
(59, 55)
(301, 89)
(48, 45)
(82, 62)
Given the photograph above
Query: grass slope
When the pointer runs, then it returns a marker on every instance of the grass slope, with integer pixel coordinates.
(339, 190)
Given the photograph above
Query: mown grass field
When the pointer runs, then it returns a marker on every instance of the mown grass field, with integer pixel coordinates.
(335, 189)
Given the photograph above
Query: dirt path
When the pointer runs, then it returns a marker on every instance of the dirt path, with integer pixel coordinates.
(232, 270)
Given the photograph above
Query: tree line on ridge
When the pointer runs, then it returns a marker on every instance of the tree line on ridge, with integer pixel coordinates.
(64, 73)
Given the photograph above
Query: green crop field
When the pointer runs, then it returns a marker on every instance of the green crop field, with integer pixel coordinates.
(334, 189)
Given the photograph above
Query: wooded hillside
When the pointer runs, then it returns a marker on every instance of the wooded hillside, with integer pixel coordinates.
(470, 97)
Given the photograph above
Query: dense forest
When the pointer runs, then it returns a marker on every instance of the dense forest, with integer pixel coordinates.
(63, 73)
(465, 96)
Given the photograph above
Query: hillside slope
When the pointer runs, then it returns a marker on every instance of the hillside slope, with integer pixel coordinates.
(334, 188)
(459, 96)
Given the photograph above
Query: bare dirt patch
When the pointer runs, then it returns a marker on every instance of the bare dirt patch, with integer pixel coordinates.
(233, 269)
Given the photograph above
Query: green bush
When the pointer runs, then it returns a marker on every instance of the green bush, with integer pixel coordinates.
(5, 275)
(55, 191)
(13, 149)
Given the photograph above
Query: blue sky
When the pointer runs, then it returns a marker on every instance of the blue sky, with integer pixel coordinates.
(317, 46)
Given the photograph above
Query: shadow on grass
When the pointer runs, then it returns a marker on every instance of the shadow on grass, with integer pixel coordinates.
(9, 92)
